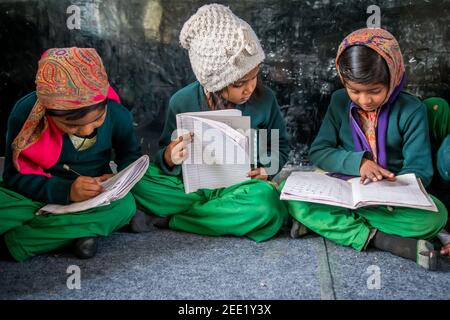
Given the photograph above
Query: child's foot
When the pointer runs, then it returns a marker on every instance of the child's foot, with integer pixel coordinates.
(298, 229)
(426, 255)
(141, 222)
(445, 250)
(421, 251)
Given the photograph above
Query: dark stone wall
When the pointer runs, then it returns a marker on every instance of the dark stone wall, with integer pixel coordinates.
(138, 41)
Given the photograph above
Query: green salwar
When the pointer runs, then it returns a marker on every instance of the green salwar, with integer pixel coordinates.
(352, 227)
(27, 235)
(409, 151)
(251, 208)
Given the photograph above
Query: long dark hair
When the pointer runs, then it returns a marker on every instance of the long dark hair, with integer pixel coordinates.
(363, 65)
(76, 114)
(219, 103)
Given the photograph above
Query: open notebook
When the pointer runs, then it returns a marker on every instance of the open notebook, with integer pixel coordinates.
(219, 155)
(115, 188)
(406, 191)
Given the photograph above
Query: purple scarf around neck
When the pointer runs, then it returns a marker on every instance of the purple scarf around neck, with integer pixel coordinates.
(359, 139)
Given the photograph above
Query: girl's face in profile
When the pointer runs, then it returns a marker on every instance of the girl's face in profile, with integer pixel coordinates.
(368, 97)
(241, 91)
(83, 127)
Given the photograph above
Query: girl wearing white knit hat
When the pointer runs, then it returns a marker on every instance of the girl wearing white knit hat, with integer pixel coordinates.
(225, 55)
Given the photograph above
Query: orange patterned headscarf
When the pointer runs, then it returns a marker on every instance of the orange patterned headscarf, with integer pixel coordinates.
(374, 124)
(385, 44)
(67, 79)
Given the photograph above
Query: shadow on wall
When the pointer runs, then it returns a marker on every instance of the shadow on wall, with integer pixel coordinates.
(138, 42)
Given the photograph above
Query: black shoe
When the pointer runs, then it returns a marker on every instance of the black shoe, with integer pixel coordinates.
(141, 222)
(86, 248)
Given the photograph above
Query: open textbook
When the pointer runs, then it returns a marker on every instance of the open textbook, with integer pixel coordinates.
(115, 188)
(220, 153)
(406, 191)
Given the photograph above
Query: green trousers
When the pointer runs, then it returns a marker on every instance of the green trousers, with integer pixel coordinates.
(352, 227)
(251, 208)
(27, 235)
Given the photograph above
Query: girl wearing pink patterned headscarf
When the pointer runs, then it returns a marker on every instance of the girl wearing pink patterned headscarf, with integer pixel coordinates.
(59, 146)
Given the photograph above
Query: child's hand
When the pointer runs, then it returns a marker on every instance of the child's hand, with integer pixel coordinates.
(445, 250)
(104, 177)
(176, 152)
(85, 188)
(259, 173)
(373, 172)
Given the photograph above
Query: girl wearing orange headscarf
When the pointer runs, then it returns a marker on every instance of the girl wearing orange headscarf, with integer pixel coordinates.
(375, 130)
(73, 120)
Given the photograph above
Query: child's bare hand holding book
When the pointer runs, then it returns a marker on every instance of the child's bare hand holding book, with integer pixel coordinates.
(371, 171)
(85, 188)
(90, 192)
(258, 173)
(176, 152)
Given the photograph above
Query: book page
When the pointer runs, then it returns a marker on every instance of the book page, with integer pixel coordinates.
(225, 127)
(115, 188)
(218, 157)
(225, 112)
(317, 187)
(405, 192)
(214, 176)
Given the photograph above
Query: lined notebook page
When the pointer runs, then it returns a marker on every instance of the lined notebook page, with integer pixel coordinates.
(405, 190)
(207, 165)
(115, 188)
(214, 176)
(314, 187)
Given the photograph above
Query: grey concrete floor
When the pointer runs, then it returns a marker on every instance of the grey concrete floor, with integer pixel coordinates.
(165, 264)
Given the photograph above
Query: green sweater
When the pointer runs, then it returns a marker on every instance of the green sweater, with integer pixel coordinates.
(116, 133)
(407, 140)
(264, 114)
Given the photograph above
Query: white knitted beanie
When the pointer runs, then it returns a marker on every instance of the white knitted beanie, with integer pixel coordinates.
(222, 47)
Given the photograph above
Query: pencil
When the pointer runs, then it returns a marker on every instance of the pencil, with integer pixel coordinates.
(67, 168)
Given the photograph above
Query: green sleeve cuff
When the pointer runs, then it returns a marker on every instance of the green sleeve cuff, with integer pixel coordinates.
(352, 163)
(59, 191)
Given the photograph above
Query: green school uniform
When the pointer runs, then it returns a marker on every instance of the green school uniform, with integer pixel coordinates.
(408, 150)
(407, 139)
(21, 195)
(251, 208)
